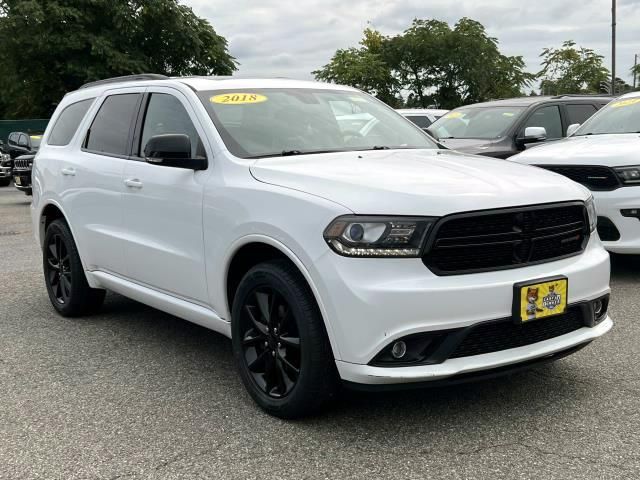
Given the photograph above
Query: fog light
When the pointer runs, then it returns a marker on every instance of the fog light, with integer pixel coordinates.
(399, 349)
(597, 308)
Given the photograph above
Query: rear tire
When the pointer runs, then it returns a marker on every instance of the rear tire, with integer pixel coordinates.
(67, 286)
(280, 343)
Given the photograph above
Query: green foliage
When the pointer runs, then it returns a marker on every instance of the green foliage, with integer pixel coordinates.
(364, 68)
(50, 47)
(434, 63)
(571, 69)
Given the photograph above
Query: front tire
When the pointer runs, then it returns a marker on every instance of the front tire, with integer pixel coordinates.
(280, 343)
(66, 282)
(5, 182)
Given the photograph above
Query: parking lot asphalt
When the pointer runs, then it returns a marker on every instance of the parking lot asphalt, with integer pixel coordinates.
(135, 393)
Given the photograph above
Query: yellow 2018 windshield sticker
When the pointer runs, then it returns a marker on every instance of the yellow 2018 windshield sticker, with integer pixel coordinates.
(625, 103)
(238, 98)
(454, 115)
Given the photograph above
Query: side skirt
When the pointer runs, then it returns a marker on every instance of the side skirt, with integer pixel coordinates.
(184, 309)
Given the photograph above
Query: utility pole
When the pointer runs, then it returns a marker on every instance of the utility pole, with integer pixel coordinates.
(613, 47)
(635, 66)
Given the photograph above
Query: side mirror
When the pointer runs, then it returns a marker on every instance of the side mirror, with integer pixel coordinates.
(571, 129)
(172, 150)
(534, 134)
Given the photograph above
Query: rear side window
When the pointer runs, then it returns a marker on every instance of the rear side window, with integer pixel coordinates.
(68, 122)
(579, 113)
(111, 129)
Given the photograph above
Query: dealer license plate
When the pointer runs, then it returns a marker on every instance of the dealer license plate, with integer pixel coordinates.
(540, 298)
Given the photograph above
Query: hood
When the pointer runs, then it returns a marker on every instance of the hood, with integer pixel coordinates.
(609, 150)
(416, 182)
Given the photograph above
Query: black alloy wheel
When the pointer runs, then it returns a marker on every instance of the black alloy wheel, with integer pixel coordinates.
(270, 342)
(64, 276)
(58, 268)
(280, 342)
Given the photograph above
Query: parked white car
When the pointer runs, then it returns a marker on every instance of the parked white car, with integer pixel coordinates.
(422, 117)
(374, 259)
(603, 155)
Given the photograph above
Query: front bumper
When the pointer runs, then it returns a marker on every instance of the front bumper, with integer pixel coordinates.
(371, 375)
(372, 302)
(22, 180)
(5, 172)
(609, 204)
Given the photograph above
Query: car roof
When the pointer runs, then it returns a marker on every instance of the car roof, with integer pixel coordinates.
(528, 101)
(204, 83)
(631, 94)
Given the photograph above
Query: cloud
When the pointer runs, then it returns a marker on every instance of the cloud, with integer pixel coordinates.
(294, 37)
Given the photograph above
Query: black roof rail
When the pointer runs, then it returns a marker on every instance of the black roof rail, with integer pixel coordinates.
(126, 78)
(582, 95)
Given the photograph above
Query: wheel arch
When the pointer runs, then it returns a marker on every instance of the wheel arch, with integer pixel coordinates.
(254, 249)
(50, 212)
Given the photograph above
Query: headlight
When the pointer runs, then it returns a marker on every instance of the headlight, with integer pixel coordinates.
(593, 216)
(370, 236)
(629, 175)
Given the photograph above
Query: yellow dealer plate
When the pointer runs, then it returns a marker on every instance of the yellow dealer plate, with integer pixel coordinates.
(540, 299)
(238, 98)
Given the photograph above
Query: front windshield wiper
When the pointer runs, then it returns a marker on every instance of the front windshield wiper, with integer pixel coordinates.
(289, 153)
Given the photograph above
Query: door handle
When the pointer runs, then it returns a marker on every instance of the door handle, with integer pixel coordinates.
(133, 183)
(69, 172)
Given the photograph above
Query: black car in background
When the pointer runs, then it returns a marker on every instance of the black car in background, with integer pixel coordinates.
(6, 167)
(21, 143)
(502, 128)
(22, 166)
(21, 148)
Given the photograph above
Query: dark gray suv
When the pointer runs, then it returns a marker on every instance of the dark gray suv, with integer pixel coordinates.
(502, 128)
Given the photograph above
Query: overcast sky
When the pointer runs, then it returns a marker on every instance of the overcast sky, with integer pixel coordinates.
(293, 37)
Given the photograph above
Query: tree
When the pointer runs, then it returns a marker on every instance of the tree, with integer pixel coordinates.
(363, 68)
(434, 63)
(50, 47)
(571, 69)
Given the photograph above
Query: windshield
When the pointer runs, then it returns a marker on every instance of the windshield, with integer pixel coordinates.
(478, 122)
(619, 116)
(35, 141)
(272, 122)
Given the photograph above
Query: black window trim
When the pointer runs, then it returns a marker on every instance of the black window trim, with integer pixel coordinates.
(92, 99)
(134, 118)
(136, 138)
(528, 114)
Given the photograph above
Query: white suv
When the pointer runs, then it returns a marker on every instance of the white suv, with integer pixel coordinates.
(327, 255)
(602, 155)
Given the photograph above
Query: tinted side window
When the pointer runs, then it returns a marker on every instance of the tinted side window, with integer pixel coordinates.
(579, 113)
(422, 122)
(68, 122)
(165, 114)
(13, 139)
(110, 130)
(549, 118)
